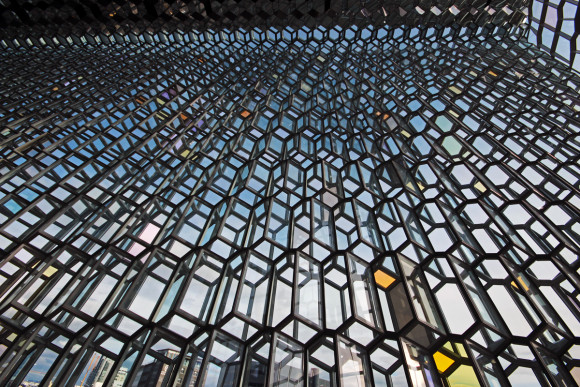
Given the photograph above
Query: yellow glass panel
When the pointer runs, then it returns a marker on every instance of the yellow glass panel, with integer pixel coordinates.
(383, 279)
(185, 153)
(480, 186)
(461, 349)
(50, 271)
(405, 133)
(464, 376)
(455, 90)
(442, 362)
(521, 281)
(492, 73)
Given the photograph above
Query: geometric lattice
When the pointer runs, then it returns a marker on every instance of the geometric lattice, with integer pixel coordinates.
(554, 28)
(290, 207)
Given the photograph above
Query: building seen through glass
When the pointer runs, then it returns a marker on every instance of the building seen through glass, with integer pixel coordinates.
(236, 194)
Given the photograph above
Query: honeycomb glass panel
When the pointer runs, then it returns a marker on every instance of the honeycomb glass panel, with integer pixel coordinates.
(236, 193)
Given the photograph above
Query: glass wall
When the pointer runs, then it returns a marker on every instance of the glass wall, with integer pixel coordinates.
(283, 207)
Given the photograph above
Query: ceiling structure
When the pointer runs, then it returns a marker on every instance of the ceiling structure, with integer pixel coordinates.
(35, 18)
(551, 25)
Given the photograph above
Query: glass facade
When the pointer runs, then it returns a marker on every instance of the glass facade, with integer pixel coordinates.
(329, 206)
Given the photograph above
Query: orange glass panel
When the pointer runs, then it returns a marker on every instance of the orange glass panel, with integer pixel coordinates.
(383, 279)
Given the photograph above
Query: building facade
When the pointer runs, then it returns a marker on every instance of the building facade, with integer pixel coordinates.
(101, 370)
(331, 205)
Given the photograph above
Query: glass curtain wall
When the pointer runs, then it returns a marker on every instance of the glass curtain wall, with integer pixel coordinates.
(290, 207)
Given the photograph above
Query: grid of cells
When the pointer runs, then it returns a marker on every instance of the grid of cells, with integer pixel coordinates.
(553, 28)
(282, 207)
